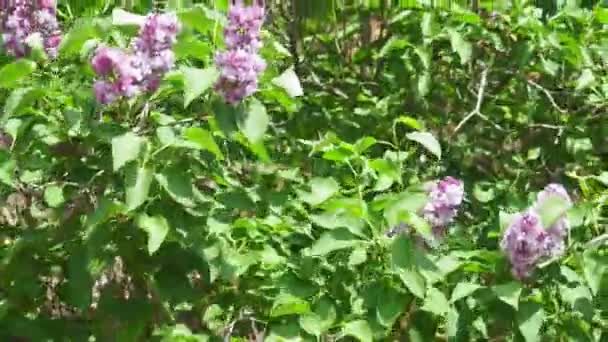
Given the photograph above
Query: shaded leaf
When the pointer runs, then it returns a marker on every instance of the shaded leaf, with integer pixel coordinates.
(435, 302)
(460, 46)
(126, 148)
(359, 329)
(463, 289)
(138, 182)
(53, 196)
(427, 140)
(255, 121)
(11, 74)
(157, 228)
(321, 189)
(197, 81)
(333, 240)
(286, 304)
(508, 293)
(203, 140)
(289, 81)
(530, 319)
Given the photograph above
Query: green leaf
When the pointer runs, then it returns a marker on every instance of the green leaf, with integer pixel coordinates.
(595, 267)
(311, 323)
(483, 192)
(178, 184)
(197, 81)
(452, 319)
(286, 304)
(157, 228)
(414, 282)
(359, 329)
(391, 305)
(138, 182)
(407, 202)
(321, 189)
(339, 238)
(585, 80)
(53, 196)
(552, 208)
(321, 319)
(12, 73)
(357, 257)
(126, 148)
(435, 302)
(402, 252)
(427, 140)
(410, 122)
(19, 99)
(255, 122)
(463, 289)
(203, 140)
(508, 293)
(72, 42)
(289, 81)
(121, 17)
(461, 46)
(530, 319)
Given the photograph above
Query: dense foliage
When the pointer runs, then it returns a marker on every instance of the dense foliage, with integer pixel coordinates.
(385, 174)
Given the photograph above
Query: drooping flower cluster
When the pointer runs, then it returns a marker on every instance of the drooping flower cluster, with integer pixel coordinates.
(527, 243)
(45, 22)
(129, 73)
(241, 64)
(445, 197)
(24, 18)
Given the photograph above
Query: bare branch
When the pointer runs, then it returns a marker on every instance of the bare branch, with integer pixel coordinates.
(549, 96)
(477, 110)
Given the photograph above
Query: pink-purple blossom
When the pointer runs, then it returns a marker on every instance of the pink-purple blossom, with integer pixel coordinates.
(524, 242)
(527, 242)
(241, 64)
(22, 18)
(128, 73)
(245, 23)
(445, 197)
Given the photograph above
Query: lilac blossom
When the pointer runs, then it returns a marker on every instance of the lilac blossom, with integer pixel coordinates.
(527, 243)
(16, 27)
(45, 21)
(22, 19)
(128, 73)
(241, 65)
(239, 74)
(558, 231)
(524, 243)
(243, 30)
(444, 199)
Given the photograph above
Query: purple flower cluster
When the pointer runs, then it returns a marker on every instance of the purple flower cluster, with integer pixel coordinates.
(45, 22)
(240, 65)
(445, 197)
(22, 18)
(129, 73)
(527, 243)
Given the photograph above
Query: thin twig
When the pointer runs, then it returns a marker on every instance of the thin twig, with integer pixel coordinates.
(549, 96)
(477, 110)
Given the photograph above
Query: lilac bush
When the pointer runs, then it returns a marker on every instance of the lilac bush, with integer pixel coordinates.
(129, 73)
(241, 64)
